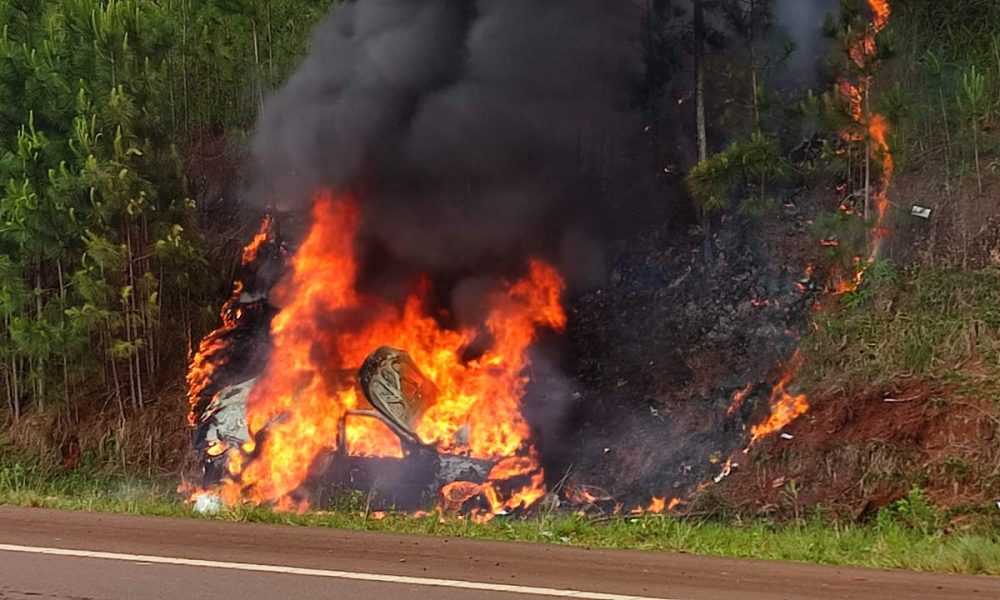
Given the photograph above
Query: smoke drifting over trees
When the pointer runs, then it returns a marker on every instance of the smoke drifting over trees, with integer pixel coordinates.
(459, 122)
(475, 132)
(803, 20)
(465, 126)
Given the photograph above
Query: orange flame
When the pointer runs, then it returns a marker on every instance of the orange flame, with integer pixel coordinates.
(739, 397)
(210, 356)
(785, 407)
(501, 492)
(882, 12)
(326, 329)
(657, 506)
(875, 125)
(252, 249)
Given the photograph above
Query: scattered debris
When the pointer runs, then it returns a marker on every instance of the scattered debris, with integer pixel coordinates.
(677, 282)
(921, 211)
(727, 470)
(586, 494)
(906, 399)
(787, 436)
(207, 504)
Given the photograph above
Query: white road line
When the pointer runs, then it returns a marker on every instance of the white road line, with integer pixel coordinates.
(372, 577)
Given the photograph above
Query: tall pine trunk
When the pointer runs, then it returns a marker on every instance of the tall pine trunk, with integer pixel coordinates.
(701, 125)
(754, 65)
(699, 77)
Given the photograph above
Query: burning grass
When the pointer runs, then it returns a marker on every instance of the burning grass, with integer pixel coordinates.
(902, 375)
(909, 535)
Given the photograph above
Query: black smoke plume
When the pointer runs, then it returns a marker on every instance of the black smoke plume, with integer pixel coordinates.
(466, 127)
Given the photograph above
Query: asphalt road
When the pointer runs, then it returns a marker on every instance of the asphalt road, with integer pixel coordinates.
(88, 556)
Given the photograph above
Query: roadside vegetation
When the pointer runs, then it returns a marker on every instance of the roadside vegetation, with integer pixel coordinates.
(117, 115)
(941, 324)
(943, 94)
(910, 534)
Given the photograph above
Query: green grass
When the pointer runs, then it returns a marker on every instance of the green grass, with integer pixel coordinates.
(932, 48)
(910, 535)
(922, 323)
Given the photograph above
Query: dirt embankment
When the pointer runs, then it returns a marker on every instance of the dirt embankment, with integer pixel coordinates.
(856, 453)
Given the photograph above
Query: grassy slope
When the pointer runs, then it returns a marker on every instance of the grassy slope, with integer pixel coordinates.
(908, 536)
(928, 323)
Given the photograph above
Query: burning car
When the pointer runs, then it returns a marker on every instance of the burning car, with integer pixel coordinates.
(333, 401)
(398, 392)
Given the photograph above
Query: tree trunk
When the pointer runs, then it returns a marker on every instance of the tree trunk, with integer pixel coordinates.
(975, 146)
(39, 372)
(132, 323)
(184, 63)
(10, 379)
(947, 141)
(270, 47)
(118, 388)
(9, 391)
(65, 359)
(755, 102)
(256, 69)
(868, 160)
(699, 86)
(699, 76)
(16, 385)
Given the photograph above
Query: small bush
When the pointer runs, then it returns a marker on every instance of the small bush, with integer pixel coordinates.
(913, 512)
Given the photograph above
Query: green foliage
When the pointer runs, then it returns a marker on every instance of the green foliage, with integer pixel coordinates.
(914, 512)
(879, 276)
(100, 253)
(739, 176)
(947, 94)
(922, 323)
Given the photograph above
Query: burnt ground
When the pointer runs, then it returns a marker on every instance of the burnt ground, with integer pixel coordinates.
(856, 453)
(964, 229)
(664, 345)
(661, 348)
(860, 448)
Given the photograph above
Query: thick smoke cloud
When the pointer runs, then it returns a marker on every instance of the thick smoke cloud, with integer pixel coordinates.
(461, 123)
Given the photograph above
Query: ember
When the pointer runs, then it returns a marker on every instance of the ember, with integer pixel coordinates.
(739, 397)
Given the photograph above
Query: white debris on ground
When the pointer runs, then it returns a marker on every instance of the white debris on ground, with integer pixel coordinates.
(207, 504)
